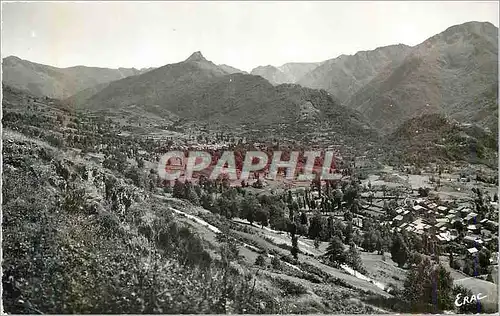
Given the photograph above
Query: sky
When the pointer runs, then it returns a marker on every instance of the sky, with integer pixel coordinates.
(241, 34)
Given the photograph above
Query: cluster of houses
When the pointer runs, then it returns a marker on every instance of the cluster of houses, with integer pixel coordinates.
(442, 223)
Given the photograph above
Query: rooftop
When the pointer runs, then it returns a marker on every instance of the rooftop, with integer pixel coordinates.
(472, 250)
(470, 238)
(470, 216)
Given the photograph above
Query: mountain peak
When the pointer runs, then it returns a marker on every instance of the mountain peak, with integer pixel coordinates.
(11, 58)
(484, 28)
(196, 56)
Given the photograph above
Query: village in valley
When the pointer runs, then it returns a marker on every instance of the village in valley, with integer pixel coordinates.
(451, 206)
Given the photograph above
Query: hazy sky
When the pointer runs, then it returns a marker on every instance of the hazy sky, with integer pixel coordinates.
(240, 34)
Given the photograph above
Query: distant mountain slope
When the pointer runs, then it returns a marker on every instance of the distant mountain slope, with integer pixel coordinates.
(344, 75)
(44, 80)
(486, 105)
(295, 71)
(287, 73)
(231, 70)
(158, 89)
(85, 94)
(272, 74)
(454, 72)
(434, 137)
(198, 90)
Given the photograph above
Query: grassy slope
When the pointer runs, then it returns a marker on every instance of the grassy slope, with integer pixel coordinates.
(59, 244)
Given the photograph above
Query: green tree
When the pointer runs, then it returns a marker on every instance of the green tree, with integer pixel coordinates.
(348, 233)
(137, 176)
(415, 258)
(260, 261)
(207, 201)
(338, 229)
(262, 217)
(350, 195)
(303, 218)
(276, 212)
(315, 227)
(423, 192)
(335, 251)
(289, 198)
(353, 259)
(470, 268)
(294, 209)
(399, 250)
(484, 259)
(275, 262)
(295, 247)
(249, 207)
(178, 191)
(234, 208)
(428, 287)
(301, 230)
(382, 242)
(370, 240)
(190, 193)
(338, 196)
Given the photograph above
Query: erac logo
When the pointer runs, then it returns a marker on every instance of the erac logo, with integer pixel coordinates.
(459, 301)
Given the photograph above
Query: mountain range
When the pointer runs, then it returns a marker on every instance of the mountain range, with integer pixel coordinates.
(454, 73)
(43, 80)
(199, 90)
(346, 74)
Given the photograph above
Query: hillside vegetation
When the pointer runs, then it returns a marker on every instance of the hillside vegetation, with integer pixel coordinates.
(70, 222)
(435, 138)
